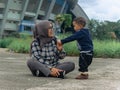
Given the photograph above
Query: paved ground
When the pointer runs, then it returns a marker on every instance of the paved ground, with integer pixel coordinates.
(14, 75)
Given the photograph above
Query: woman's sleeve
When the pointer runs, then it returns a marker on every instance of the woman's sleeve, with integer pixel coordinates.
(62, 54)
(35, 48)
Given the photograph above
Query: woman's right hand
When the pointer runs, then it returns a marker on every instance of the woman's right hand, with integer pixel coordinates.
(59, 45)
(55, 72)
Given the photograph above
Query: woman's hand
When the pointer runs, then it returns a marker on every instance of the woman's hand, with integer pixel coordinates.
(59, 45)
(55, 72)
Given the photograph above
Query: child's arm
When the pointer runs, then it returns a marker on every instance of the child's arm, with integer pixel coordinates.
(73, 37)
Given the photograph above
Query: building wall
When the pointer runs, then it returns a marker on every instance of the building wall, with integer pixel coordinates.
(78, 11)
(14, 12)
(11, 15)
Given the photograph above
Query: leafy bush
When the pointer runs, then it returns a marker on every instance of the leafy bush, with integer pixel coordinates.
(25, 35)
(101, 30)
(20, 45)
(71, 49)
(5, 42)
(64, 18)
(106, 48)
(102, 48)
(14, 35)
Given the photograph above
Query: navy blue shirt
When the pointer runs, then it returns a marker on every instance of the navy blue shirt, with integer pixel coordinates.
(83, 38)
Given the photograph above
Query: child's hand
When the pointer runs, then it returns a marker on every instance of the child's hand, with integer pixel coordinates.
(59, 45)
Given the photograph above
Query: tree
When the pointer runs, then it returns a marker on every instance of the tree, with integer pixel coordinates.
(105, 29)
(66, 18)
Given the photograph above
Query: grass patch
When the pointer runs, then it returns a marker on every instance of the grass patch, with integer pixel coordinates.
(105, 49)
(71, 49)
(20, 45)
(6, 42)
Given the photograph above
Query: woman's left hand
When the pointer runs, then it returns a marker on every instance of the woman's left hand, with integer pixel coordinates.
(55, 72)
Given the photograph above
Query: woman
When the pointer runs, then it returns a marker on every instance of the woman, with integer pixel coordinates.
(45, 55)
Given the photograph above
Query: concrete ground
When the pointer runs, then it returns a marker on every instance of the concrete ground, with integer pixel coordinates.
(14, 75)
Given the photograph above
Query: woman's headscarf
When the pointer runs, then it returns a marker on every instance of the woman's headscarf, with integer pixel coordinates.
(41, 32)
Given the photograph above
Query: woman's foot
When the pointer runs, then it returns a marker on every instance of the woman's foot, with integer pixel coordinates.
(62, 74)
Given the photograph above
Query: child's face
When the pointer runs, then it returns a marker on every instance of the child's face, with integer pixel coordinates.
(77, 26)
(50, 31)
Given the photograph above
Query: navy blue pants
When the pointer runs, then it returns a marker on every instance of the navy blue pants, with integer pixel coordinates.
(85, 59)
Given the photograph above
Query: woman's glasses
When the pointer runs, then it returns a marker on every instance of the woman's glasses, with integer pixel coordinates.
(50, 27)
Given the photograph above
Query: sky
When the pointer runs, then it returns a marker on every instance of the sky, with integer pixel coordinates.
(101, 9)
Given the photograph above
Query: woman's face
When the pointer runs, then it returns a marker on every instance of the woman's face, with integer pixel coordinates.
(50, 31)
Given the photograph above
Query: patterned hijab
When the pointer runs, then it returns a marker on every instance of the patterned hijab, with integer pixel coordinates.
(41, 32)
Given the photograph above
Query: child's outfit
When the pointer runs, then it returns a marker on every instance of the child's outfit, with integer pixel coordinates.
(85, 45)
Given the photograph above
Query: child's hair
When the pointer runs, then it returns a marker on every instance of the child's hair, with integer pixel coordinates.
(80, 20)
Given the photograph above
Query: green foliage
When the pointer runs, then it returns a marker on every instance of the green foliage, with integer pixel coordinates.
(61, 36)
(102, 48)
(59, 18)
(66, 18)
(25, 35)
(20, 45)
(71, 49)
(117, 29)
(101, 30)
(107, 48)
(98, 29)
(5, 42)
(14, 35)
